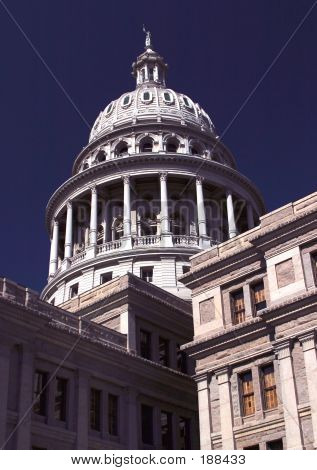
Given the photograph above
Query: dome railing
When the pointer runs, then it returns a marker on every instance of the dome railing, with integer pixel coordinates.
(147, 240)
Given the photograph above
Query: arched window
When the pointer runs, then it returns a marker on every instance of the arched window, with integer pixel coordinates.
(121, 149)
(146, 97)
(195, 148)
(117, 228)
(100, 157)
(109, 108)
(172, 145)
(146, 145)
(126, 101)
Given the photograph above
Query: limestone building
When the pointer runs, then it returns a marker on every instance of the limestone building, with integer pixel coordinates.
(255, 320)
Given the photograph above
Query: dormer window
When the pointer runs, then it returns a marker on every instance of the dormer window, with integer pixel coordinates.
(109, 108)
(126, 101)
(147, 97)
(187, 103)
(168, 97)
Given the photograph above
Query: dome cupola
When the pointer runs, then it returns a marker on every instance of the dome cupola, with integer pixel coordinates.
(149, 66)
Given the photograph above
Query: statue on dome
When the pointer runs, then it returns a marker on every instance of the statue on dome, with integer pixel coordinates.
(148, 38)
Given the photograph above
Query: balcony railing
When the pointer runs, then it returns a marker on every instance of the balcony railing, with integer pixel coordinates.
(78, 257)
(147, 240)
(185, 240)
(108, 246)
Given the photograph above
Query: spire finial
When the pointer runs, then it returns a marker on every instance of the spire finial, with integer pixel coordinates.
(148, 38)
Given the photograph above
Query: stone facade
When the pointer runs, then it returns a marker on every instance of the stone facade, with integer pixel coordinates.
(256, 366)
(96, 347)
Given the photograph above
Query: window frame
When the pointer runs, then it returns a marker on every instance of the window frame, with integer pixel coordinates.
(97, 412)
(164, 357)
(109, 108)
(236, 312)
(171, 101)
(64, 395)
(189, 103)
(245, 395)
(147, 431)
(105, 274)
(143, 269)
(149, 100)
(265, 388)
(113, 418)
(166, 437)
(145, 347)
(40, 397)
(126, 105)
(71, 294)
(255, 310)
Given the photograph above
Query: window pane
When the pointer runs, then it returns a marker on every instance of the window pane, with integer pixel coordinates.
(258, 295)
(181, 360)
(95, 402)
(238, 309)
(39, 393)
(184, 433)
(60, 399)
(145, 344)
(147, 424)
(269, 387)
(113, 414)
(166, 430)
(275, 445)
(247, 394)
(164, 351)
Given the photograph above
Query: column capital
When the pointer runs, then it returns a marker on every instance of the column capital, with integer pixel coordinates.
(55, 221)
(202, 381)
(223, 375)
(163, 176)
(126, 179)
(283, 350)
(307, 341)
(93, 188)
(69, 203)
(199, 179)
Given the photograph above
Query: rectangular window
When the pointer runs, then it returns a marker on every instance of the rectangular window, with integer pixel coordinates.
(258, 297)
(255, 447)
(238, 308)
(268, 387)
(147, 424)
(147, 273)
(166, 430)
(40, 393)
(275, 445)
(184, 433)
(181, 360)
(73, 290)
(247, 394)
(145, 344)
(314, 265)
(105, 277)
(60, 399)
(186, 269)
(95, 407)
(164, 351)
(113, 414)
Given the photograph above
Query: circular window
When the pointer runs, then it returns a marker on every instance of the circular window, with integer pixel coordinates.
(168, 97)
(126, 101)
(109, 108)
(147, 97)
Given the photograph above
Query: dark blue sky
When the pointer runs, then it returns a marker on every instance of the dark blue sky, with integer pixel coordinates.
(217, 51)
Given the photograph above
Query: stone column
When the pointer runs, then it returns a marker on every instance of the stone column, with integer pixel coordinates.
(166, 236)
(126, 240)
(250, 216)
(4, 389)
(204, 411)
(291, 418)
(23, 431)
(201, 214)
(82, 414)
(232, 228)
(54, 250)
(225, 405)
(68, 252)
(309, 349)
(93, 217)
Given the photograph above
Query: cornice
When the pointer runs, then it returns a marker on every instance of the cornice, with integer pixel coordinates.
(115, 168)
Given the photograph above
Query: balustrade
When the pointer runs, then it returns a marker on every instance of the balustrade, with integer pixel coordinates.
(147, 240)
(109, 246)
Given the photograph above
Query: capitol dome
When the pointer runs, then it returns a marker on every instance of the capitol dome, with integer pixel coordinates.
(153, 186)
